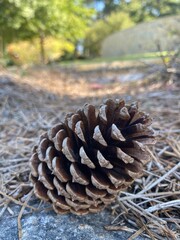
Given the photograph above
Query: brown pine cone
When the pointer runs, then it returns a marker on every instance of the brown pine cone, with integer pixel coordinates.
(82, 164)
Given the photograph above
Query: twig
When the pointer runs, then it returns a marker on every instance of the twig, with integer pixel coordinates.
(174, 203)
(137, 233)
(161, 178)
(138, 195)
(142, 212)
(118, 228)
(21, 213)
(16, 201)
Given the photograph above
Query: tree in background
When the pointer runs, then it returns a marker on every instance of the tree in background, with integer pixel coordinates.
(28, 19)
(144, 10)
(109, 7)
(11, 18)
(103, 28)
(139, 10)
(104, 7)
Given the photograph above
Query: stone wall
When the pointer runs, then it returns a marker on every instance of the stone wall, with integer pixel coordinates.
(144, 38)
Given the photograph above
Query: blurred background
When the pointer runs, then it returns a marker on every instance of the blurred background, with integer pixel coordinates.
(43, 32)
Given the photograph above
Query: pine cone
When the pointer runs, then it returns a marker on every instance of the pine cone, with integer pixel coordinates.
(82, 164)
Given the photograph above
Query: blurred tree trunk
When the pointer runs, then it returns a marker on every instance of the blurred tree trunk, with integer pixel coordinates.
(42, 50)
(2, 45)
(75, 52)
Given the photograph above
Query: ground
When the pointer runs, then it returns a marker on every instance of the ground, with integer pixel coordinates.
(33, 99)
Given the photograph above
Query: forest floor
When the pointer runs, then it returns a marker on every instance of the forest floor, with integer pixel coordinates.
(34, 99)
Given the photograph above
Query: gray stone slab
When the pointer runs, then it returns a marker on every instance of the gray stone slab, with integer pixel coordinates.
(49, 226)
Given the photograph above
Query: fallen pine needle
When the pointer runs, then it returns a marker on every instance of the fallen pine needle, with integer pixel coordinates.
(21, 213)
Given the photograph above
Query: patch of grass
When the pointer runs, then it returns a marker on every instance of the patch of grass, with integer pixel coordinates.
(132, 57)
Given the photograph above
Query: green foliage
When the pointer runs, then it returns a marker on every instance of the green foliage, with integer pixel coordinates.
(54, 17)
(144, 10)
(102, 28)
(54, 49)
(109, 6)
(27, 19)
(139, 10)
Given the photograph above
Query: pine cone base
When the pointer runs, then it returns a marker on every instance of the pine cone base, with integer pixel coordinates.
(81, 165)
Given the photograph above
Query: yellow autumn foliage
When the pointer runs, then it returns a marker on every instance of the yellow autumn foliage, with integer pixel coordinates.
(28, 52)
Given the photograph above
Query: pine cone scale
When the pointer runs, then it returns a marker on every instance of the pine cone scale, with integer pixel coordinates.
(58, 200)
(60, 169)
(77, 175)
(34, 163)
(41, 191)
(44, 177)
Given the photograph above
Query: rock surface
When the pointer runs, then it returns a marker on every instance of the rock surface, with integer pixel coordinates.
(145, 36)
(46, 225)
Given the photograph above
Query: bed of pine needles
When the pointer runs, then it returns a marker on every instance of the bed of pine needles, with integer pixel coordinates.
(31, 101)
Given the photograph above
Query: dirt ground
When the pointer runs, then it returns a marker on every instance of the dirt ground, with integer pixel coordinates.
(34, 99)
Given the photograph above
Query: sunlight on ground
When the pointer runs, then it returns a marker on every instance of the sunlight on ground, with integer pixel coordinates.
(79, 83)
